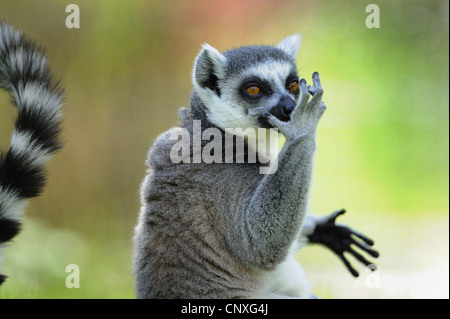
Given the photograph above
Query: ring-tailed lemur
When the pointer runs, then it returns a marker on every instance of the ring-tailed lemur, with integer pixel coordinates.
(221, 230)
(25, 74)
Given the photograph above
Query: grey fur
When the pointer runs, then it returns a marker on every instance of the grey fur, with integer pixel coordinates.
(225, 230)
(243, 58)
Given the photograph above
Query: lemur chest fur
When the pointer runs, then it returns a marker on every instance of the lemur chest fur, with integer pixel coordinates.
(188, 214)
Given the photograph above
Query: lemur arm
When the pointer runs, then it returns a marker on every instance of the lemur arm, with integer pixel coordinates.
(338, 238)
(273, 216)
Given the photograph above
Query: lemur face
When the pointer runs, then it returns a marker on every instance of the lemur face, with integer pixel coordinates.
(266, 87)
(241, 86)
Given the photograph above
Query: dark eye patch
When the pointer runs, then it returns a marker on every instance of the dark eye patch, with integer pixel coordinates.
(291, 78)
(263, 85)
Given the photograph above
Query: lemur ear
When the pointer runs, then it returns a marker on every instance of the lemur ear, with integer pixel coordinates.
(209, 67)
(291, 45)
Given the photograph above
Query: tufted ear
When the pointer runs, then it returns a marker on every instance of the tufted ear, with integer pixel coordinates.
(209, 67)
(291, 45)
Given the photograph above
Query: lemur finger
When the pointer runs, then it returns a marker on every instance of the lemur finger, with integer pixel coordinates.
(335, 215)
(304, 93)
(359, 257)
(348, 265)
(316, 81)
(304, 97)
(276, 123)
(367, 249)
(366, 239)
(257, 111)
(318, 91)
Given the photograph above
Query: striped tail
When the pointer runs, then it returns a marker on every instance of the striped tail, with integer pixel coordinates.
(25, 74)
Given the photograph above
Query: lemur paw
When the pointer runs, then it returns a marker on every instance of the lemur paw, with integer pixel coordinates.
(340, 239)
(306, 115)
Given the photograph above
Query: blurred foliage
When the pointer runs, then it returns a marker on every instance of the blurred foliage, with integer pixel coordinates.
(383, 142)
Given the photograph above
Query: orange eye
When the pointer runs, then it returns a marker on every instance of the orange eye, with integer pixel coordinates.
(293, 86)
(253, 90)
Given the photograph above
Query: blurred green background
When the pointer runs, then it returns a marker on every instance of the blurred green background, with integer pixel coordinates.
(383, 142)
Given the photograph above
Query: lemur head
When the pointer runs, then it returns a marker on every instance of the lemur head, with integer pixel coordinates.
(240, 86)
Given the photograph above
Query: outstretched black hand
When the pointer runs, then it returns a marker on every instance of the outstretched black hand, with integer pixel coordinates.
(339, 239)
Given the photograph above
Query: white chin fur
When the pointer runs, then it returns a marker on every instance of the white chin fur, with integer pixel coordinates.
(226, 116)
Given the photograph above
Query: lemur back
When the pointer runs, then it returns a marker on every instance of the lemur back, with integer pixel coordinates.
(224, 230)
(26, 76)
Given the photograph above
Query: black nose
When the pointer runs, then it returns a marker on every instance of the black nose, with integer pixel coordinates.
(284, 108)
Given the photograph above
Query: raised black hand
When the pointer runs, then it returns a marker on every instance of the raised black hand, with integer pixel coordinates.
(339, 239)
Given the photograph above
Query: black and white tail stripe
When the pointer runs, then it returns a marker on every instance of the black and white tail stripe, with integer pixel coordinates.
(25, 74)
